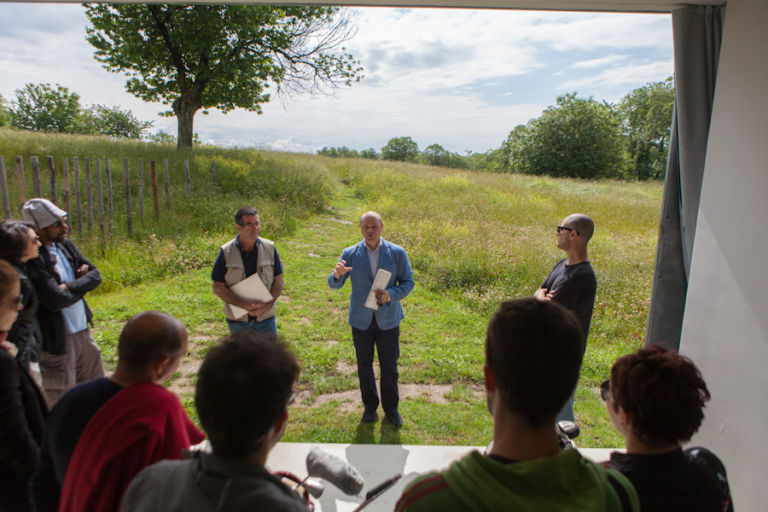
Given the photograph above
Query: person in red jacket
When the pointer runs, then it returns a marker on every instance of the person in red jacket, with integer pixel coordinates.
(140, 425)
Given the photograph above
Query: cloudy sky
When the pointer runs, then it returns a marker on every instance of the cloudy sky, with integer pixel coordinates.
(460, 78)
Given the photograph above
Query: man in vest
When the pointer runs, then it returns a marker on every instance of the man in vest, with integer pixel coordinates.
(239, 259)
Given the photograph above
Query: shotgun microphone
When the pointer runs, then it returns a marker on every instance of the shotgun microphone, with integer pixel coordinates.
(335, 470)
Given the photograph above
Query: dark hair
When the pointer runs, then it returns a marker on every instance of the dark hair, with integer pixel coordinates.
(662, 392)
(244, 211)
(243, 387)
(148, 337)
(534, 349)
(14, 237)
(8, 276)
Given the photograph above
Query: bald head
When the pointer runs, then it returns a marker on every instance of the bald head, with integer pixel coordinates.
(371, 216)
(583, 224)
(149, 337)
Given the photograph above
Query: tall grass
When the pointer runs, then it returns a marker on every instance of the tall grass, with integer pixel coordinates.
(490, 238)
(474, 240)
(285, 189)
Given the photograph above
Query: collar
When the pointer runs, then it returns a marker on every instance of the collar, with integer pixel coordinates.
(239, 246)
(368, 249)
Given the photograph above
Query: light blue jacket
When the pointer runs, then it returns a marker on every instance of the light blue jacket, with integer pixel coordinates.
(392, 258)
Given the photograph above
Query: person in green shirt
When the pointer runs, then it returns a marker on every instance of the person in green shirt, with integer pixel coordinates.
(533, 353)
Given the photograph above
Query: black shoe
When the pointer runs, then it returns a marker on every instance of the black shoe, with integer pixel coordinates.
(369, 417)
(395, 419)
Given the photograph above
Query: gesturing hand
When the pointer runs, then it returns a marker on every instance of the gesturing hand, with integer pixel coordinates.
(340, 269)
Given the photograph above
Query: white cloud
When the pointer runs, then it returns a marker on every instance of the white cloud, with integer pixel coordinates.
(623, 77)
(439, 75)
(598, 63)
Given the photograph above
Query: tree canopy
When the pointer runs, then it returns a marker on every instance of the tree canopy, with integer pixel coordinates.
(577, 137)
(194, 57)
(647, 116)
(403, 149)
(41, 107)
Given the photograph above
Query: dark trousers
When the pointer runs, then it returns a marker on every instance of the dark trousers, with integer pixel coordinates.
(387, 344)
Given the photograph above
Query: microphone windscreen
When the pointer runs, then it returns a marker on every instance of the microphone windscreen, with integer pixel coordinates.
(335, 470)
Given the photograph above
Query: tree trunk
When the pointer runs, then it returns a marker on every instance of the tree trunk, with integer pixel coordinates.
(185, 109)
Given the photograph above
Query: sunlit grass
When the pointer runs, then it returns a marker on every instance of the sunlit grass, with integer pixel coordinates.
(474, 240)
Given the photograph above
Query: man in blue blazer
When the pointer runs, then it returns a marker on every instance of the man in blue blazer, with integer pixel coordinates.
(379, 328)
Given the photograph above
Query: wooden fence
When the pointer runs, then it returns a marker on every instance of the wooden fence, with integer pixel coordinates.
(82, 196)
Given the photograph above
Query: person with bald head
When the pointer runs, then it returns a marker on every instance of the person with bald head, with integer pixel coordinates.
(375, 326)
(572, 282)
(101, 433)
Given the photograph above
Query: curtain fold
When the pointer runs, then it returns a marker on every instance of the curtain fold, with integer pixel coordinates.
(697, 34)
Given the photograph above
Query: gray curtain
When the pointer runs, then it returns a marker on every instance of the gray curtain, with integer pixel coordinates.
(696, 32)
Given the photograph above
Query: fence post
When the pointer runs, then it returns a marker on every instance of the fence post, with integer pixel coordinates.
(65, 188)
(20, 181)
(127, 192)
(213, 174)
(186, 174)
(52, 170)
(108, 170)
(100, 200)
(88, 194)
(76, 171)
(153, 171)
(4, 186)
(141, 190)
(167, 192)
(36, 175)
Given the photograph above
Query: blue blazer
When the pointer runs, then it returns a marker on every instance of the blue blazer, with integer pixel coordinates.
(392, 258)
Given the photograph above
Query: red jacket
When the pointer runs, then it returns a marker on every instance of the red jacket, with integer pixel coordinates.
(140, 425)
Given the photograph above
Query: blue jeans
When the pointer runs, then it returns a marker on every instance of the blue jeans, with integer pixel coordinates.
(387, 344)
(268, 325)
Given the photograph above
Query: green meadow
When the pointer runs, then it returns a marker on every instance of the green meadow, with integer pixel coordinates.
(474, 240)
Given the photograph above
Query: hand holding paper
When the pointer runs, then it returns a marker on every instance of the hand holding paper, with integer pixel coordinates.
(379, 283)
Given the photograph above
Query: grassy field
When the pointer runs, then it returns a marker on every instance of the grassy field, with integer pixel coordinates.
(473, 239)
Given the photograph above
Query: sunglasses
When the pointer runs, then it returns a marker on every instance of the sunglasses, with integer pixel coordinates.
(560, 229)
(605, 390)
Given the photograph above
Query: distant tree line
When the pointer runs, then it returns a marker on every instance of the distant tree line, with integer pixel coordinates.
(576, 137)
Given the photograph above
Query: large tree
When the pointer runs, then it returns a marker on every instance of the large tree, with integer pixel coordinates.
(578, 137)
(194, 57)
(647, 117)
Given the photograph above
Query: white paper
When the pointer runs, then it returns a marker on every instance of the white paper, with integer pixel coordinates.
(250, 288)
(379, 283)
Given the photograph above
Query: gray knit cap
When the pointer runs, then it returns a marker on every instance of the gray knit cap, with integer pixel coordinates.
(41, 212)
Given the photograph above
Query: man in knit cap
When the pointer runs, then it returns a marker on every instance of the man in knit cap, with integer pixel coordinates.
(62, 276)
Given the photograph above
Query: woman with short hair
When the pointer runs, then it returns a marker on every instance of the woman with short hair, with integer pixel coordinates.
(22, 409)
(655, 399)
(18, 244)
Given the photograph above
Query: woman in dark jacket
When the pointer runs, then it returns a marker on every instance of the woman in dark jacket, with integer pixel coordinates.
(655, 399)
(22, 409)
(19, 244)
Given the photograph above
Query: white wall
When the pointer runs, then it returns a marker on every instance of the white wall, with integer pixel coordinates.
(725, 328)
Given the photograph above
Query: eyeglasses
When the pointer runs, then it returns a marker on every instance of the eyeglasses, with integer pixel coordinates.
(34, 240)
(59, 222)
(250, 224)
(605, 390)
(560, 229)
